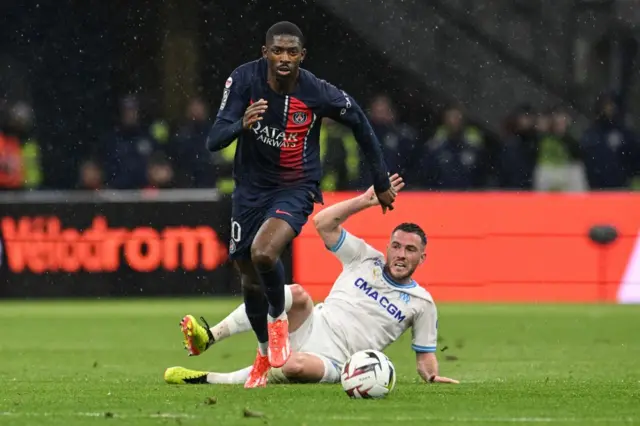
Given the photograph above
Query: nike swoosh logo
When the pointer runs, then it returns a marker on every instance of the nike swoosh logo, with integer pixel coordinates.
(278, 211)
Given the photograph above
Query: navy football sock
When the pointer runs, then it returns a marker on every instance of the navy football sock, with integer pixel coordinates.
(273, 280)
(257, 307)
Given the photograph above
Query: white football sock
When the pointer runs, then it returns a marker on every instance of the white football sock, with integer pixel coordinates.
(331, 372)
(235, 378)
(288, 302)
(263, 348)
(238, 322)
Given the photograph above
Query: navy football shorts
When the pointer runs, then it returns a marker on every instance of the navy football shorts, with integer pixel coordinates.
(250, 210)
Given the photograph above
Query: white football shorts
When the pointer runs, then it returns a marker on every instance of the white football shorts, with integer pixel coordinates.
(315, 337)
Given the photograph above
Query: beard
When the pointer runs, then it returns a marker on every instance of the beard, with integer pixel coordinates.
(404, 274)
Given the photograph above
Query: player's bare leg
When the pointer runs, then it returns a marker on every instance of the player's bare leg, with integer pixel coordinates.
(301, 368)
(301, 306)
(268, 244)
(256, 307)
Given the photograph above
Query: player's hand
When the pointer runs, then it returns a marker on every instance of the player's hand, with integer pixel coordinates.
(254, 113)
(440, 379)
(388, 197)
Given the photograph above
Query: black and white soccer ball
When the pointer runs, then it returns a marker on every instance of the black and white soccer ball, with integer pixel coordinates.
(368, 374)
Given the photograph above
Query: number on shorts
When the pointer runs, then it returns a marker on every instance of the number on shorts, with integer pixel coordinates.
(236, 231)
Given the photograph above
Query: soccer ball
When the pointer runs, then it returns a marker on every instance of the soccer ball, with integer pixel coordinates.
(368, 374)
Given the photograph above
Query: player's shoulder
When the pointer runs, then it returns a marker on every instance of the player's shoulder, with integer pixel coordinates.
(372, 256)
(371, 263)
(310, 78)
(315, 84)
(246, 73)
(421, 293)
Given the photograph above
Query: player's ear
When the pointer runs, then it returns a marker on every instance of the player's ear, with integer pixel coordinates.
(303, 54)
(264, 52)
(423, 257)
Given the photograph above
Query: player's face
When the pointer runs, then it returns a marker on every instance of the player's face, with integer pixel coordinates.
(404, 254)
(284, 55)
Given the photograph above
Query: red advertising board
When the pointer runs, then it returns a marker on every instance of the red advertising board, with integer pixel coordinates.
(499, 247)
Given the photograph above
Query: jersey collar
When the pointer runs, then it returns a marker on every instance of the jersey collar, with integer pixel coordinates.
(395, 284)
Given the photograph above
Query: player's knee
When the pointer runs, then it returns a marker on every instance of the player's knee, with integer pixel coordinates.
(299, 296)
(295, 366)
(263, 257)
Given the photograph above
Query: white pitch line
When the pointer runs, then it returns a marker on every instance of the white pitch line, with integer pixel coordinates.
(492, 419)
(98, 414)
(345, 418)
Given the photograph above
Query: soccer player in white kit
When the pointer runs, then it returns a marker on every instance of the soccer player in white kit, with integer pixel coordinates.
(371, 304)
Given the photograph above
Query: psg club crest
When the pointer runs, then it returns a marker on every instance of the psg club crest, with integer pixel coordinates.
(299, 117)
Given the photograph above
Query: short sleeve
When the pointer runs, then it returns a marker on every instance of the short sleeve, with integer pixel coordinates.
(350, 249)
(235, 97)
(425, 329)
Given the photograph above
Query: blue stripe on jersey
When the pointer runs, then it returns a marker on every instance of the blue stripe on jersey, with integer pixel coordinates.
(337, 245)
(423, 349)
(392, 282)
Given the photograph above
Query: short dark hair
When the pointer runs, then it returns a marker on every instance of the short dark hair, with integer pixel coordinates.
(412, 228)
(284, 28)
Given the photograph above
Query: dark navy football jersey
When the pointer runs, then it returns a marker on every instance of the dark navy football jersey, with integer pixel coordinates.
(283, 148)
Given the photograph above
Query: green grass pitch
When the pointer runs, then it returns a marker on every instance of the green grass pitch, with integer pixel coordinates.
(101, 362)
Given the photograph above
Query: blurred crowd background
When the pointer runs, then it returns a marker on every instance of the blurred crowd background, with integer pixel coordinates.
(463, 95)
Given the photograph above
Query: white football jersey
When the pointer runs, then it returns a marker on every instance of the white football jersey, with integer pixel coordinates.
(367, 309)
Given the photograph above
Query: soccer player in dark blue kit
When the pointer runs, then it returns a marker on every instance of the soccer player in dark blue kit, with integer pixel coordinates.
(274, 109)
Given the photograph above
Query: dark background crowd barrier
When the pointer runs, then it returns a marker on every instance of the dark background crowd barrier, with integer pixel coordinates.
(134, 244)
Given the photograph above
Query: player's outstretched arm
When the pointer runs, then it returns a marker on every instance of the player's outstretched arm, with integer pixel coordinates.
(427, 366)
(425, 342)
(372, 150)
(356, 119)
(342, 108)
(329, 221)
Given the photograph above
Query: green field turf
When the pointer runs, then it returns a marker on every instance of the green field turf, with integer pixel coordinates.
(101, 362)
